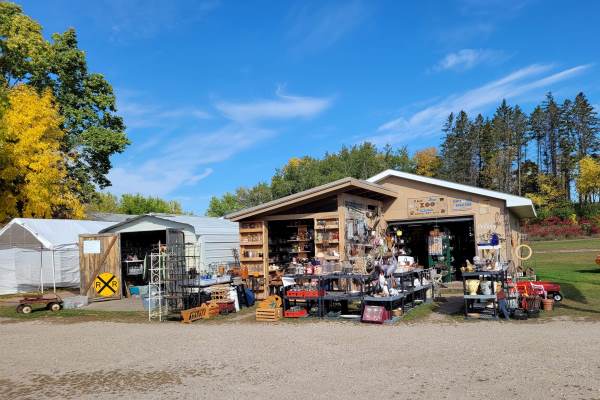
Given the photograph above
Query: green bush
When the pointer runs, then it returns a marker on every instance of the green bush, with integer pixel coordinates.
(588, 211)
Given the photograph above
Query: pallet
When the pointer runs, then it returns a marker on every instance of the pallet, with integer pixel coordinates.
(269, 314)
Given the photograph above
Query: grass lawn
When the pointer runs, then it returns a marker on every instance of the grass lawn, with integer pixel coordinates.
(74, 315)
(569, 244)
(577, 273)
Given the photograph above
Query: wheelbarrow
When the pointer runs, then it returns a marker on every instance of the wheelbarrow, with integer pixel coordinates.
(51, 302)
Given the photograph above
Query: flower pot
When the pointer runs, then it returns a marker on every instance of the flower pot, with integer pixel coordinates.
(547, 304)
(472, 286)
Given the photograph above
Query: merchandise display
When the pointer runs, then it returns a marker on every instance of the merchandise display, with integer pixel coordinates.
(351, 252)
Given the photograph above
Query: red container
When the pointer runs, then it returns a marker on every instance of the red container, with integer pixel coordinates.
(295, 314)
(226, 307)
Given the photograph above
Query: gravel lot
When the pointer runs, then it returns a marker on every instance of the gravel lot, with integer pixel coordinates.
(300, 360)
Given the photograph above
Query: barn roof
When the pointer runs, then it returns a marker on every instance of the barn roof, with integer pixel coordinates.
(349, 185)
(522, 206)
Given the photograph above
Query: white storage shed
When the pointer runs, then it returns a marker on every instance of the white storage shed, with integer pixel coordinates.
(208, 240)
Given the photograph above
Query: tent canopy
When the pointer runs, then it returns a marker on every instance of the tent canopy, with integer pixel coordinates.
(49, 233)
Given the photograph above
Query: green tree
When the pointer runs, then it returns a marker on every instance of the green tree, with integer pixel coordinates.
(359, 161)
(586, 127)
(551, 127)
(458, 150)
(137, 204)
(93, 130)
(537, 131)
(104, 202)
(219, 207)
(134, 204)
(520, 130)
(250, 197)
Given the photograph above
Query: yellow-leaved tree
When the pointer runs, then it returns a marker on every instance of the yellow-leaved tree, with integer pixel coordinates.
(33, 177)
(588, 179)
(427, 162)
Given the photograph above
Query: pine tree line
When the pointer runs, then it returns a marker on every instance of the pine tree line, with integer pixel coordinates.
(517, 153)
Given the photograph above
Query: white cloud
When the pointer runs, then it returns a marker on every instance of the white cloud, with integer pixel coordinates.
(138, 114)
(465, 59)
(144, 19)
(314, 28)
(284, 107)
(178, 153)
(176, 163)
(429, 120)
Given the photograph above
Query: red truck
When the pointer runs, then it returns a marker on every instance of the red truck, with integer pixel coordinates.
(531, 287)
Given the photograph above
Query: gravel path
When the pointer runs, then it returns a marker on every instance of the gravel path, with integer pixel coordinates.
(300, 360)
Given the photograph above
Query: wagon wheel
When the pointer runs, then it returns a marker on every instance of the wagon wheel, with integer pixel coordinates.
(26, 309)
(20, 308)
(54, 307)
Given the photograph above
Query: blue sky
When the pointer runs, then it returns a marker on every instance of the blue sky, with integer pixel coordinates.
(218, 94)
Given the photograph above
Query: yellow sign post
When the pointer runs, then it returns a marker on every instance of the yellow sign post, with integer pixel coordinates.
(106, 284)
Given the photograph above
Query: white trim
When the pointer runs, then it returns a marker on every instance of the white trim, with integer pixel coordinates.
(512, 201)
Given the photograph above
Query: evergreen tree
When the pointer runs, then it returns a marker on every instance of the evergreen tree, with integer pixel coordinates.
(551, 134)
(519, 126)
(537, 132)
(503, 134)
(586, 127)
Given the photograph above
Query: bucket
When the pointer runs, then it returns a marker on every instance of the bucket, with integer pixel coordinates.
(547, 304)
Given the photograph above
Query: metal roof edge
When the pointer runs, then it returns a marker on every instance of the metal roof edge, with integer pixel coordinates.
(511, 199)
(234, 216)
(139, 217)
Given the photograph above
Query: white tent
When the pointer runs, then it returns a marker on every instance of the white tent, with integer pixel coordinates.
(36, 253)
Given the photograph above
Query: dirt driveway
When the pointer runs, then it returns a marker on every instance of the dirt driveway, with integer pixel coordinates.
(307, 360)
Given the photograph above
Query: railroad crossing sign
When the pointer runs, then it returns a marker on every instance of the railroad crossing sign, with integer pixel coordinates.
(106, 284)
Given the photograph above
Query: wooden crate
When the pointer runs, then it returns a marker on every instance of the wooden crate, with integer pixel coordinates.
(269, 314)
(220, 292)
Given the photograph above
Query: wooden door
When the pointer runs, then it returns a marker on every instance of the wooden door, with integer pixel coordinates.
(100, 266)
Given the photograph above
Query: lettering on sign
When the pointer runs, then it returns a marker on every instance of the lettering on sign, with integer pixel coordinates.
(106, 284)
(461, 204)
(427, 206)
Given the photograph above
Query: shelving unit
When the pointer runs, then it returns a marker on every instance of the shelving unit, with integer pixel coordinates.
(477, 303)
(253, 250)
(327, 238)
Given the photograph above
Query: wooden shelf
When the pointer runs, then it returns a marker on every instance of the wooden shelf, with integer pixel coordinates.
(244, 259)
(251, 230)
(326, 227)
(251, 243)
(328, 242)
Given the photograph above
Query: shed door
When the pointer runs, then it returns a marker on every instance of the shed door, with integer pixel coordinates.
(100, 266)
(176, 242)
